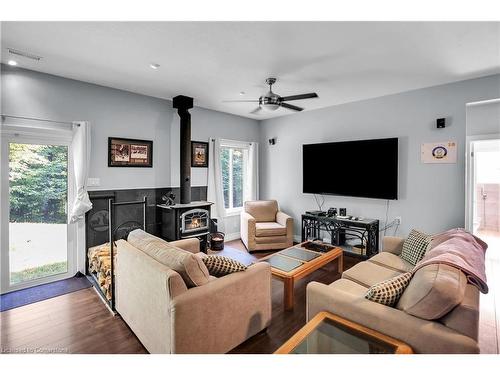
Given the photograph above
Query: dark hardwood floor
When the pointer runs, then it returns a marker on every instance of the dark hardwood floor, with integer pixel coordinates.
(285, 323)
(80, 323)
(72, 323)
(489, 322)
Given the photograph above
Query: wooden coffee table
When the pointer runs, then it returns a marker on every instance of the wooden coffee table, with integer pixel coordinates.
(328, 333)
(296, 262)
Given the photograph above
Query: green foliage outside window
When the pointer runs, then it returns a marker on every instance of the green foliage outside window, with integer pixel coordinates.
(237, 178)
(225, 175)
(232, 172)
(38, 182)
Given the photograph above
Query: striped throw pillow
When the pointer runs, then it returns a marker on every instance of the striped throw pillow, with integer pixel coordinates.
(219, 266)
(388, 292)
(415, 246)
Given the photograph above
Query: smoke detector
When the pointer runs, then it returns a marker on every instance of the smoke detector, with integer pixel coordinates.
(27, 55)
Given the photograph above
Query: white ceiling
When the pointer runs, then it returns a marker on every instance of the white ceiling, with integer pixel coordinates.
(215, 61)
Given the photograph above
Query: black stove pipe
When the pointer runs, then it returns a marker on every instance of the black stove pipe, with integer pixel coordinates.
(183, 104)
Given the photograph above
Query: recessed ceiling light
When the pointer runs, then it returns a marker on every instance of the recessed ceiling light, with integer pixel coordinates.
(242, 93)
(12, 63)
(154, 66)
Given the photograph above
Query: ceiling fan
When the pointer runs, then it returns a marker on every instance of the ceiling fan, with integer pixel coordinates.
(272, 101)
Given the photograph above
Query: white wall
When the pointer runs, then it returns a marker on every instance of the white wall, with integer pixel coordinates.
(431, 197)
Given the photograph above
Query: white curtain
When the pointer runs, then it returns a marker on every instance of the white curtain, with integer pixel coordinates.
(215, 191)
(252, 173)
(81, 160)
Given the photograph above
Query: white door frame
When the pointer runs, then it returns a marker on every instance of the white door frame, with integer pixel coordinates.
(50, 136)
(470, 176)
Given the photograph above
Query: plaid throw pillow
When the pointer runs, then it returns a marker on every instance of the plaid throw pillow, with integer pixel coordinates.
(415, 246)
(388, 292)
(220, 266)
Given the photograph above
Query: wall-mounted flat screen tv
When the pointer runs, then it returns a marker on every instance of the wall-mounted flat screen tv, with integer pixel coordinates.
(365, 168)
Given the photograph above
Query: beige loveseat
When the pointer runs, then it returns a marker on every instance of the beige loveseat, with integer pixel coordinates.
(265, 227)
(455, 332)
(204, 315)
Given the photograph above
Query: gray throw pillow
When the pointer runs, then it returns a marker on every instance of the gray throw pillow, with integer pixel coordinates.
(415, 246)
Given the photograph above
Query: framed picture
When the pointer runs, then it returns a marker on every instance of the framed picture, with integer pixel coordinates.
(125, 152)
(199, 154)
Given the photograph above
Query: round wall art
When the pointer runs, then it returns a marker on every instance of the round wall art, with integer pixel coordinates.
(439, 152)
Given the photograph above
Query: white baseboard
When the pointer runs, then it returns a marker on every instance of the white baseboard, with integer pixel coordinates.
(232, 236)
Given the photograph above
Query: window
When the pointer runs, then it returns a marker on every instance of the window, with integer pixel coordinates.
(234, 159)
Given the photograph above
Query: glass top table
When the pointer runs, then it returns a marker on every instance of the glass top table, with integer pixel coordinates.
(297, 262)
(327, 333)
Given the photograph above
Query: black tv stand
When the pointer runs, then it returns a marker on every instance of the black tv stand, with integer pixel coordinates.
(366, 230)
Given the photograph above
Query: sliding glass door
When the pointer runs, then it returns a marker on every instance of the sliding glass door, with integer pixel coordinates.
(37, 247)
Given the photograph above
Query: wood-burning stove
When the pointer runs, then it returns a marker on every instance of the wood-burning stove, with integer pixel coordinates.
(190, 220)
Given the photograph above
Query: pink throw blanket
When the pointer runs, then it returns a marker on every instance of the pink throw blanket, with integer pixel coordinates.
(460, 249)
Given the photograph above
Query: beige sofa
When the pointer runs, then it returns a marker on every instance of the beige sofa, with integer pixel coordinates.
(265, 227)
(455, 332)
(170, 316)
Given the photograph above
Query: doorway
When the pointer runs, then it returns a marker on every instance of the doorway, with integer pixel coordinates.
(37, 241)
(484, 191)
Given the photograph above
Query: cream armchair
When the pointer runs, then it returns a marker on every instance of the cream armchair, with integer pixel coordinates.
(264, 227)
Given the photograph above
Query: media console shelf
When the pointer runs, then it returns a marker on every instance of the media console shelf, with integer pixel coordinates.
(365, 231)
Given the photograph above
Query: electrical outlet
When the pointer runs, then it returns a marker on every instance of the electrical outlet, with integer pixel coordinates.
(398, 220)
(93, 181)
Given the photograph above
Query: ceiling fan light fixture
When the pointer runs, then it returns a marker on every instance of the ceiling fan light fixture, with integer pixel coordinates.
(270, 102)
(270, 107)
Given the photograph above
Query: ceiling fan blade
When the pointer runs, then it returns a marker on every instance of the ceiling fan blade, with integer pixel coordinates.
(298, 97)
(293, 107)
(241, 101)
(256, 110)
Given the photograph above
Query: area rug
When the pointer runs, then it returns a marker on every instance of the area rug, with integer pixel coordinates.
(39, 293)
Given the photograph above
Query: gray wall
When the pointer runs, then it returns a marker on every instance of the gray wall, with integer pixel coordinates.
(431, 196)
(206, 124)
(111, 113)
(121, 114)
